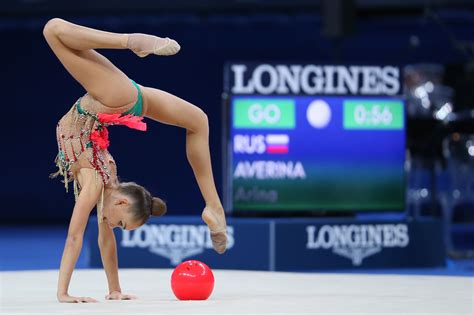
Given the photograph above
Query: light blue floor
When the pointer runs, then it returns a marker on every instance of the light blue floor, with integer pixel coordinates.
(40, 247)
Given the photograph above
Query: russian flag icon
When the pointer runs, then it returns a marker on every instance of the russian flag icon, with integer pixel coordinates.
(277, 143)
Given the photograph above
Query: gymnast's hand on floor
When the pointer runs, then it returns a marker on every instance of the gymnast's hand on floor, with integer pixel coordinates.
(65, 298)
(116, 295)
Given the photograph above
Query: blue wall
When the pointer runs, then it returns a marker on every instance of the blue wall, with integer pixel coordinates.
(37, 91)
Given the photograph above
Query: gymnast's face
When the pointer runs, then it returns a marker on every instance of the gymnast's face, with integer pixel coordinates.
(116, 212)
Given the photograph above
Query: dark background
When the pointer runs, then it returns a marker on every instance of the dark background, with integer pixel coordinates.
(37, 91)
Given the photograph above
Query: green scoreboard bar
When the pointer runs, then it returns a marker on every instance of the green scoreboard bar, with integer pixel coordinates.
(373, 114)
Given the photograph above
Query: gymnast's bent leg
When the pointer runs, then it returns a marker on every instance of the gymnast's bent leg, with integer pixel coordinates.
(169, 109)
(74, 46)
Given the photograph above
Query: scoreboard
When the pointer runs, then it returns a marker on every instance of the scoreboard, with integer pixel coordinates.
(297, 152)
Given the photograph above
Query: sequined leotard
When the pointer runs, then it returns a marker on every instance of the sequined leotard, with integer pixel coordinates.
(82, 137)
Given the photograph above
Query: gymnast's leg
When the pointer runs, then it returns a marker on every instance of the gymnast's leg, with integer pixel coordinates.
(74, 46)
(172, 110)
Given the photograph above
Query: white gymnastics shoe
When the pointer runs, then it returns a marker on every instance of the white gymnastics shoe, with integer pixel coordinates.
(143, 45)
(217, 227)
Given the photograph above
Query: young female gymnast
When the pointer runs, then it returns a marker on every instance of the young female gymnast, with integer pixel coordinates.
(82, 134)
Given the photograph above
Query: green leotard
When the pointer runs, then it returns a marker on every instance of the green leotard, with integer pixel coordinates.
(136, 110)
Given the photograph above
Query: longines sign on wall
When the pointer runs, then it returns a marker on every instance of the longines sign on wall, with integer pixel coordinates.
(312, 79)
(168, 241)
(357, 241)
(281, 244)
(354, 244)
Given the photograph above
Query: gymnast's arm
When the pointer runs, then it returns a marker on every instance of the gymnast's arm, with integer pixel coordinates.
(108, 253)
(86, 201)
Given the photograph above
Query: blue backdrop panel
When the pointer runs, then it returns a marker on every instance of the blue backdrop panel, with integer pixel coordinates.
(279, 244)
(166, 242)
(348, 244)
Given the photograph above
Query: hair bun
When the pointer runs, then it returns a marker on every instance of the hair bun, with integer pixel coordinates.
(158, 207)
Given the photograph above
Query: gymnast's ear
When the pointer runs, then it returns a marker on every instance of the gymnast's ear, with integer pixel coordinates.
(158, 207)
(122, 202)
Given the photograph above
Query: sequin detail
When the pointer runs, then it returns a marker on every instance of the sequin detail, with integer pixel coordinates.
(74, 145)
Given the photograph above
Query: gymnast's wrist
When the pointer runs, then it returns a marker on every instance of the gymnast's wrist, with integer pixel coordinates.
(115, 290)
(61, 294)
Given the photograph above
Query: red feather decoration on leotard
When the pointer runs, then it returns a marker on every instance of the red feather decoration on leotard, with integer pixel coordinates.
(100, 136)
(134, 122)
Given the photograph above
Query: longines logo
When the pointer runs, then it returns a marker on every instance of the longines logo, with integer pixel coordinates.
(172, 241)
(314, 79)
(357, 242)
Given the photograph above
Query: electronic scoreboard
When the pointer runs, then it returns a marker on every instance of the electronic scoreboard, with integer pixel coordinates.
(313, 151)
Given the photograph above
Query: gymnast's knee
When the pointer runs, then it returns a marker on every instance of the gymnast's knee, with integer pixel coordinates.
(202, 122)
(54, 27)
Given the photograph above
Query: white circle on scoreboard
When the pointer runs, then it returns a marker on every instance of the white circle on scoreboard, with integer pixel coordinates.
(318, 114)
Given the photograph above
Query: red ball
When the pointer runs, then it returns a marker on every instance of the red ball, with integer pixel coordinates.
(192, 280)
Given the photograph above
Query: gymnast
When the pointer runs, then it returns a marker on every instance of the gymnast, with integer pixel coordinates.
(83, 158)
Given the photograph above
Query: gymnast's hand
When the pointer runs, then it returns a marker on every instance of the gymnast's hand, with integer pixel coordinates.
(116, 295)
(66, 298)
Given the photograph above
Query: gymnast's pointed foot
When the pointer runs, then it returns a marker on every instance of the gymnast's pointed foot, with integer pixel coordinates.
(143, 45)
(215, 220)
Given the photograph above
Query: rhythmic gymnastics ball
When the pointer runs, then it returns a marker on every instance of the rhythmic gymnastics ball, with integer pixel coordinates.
(192, 280)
